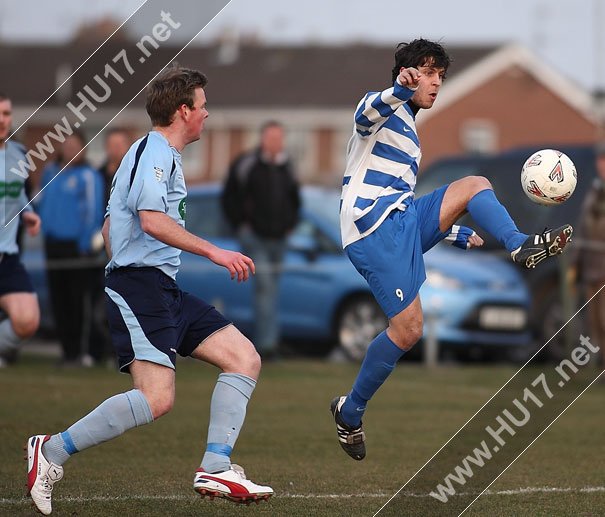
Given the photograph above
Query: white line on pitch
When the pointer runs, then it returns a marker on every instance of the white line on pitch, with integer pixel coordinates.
(183, 497)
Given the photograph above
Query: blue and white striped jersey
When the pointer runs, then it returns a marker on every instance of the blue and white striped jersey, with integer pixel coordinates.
(383, 156)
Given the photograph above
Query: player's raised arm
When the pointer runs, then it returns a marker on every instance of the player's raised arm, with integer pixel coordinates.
(165, 229)
(376, 107)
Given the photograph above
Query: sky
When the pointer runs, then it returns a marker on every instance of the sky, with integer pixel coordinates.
(568, 34)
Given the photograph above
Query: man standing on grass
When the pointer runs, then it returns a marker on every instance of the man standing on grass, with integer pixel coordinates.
(150, 318)
(385, 230)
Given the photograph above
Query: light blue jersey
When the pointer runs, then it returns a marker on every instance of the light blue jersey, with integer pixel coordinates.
(12, 196)
(150, 177)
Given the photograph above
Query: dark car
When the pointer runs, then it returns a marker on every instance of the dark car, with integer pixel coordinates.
(551, 306)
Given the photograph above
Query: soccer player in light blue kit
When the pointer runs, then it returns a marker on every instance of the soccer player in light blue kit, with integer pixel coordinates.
(150, 318)
(18, 299)
(385, 229)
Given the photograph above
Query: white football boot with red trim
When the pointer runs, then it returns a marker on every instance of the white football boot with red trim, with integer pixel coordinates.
(41, 474)
(230, 484)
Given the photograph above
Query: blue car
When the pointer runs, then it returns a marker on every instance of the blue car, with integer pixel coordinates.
(470, 300)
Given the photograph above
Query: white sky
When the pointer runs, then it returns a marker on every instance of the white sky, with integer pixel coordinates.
(567, 34)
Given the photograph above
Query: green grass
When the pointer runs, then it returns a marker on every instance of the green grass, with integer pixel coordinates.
(289, 442)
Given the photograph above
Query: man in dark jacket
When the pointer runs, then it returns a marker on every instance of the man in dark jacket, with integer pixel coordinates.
(261, 200)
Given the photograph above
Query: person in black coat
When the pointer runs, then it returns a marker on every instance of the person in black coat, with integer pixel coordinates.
(261, 200)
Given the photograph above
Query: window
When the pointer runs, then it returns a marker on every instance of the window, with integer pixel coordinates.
(479, 136)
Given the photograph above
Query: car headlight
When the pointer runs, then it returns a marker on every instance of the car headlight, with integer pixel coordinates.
(438, 280)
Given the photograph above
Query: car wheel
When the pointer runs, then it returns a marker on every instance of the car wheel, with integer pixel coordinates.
(359, 322)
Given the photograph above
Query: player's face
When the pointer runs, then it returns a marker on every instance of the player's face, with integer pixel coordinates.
(6, 119)
(431, 78)
(196, 116)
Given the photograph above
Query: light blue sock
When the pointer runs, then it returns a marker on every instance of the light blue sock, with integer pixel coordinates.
(380, 359)
(9, 341)
(227, 413)
(493, 218)
(112, 418)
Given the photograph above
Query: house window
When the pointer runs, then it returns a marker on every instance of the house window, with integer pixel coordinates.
(479, 136)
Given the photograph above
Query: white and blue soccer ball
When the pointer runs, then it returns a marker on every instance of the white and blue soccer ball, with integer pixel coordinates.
(549, 177)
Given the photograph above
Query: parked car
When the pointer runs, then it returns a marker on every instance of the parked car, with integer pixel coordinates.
(549, 308)
(471, 300)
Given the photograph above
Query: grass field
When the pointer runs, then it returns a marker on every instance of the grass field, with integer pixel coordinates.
(289, 442)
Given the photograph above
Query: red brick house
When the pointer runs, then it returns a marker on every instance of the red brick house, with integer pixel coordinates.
(495, 98)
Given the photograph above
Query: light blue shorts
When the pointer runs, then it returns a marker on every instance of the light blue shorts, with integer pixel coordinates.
(391, 257)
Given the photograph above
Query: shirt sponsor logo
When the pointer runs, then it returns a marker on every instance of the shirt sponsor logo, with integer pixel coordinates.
(10, 189)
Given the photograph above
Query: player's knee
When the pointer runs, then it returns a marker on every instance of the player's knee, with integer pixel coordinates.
(406, 338)
(26, 326)
(413, 336)
(242, 358)
(476, 184)
(160, 403)
(250, 362)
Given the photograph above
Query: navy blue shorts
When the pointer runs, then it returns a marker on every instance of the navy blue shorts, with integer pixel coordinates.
(390, 258)
(151, 319)
(13, 277)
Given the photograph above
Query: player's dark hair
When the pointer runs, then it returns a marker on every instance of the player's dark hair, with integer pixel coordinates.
(4, 97)
(173, 88)
(420, 52)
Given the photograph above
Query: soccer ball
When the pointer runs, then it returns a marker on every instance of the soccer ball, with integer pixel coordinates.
(548, 177)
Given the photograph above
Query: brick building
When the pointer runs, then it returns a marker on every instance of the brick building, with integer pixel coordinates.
(495, 98)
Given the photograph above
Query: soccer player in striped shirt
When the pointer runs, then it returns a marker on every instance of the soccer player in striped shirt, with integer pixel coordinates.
(386, 229)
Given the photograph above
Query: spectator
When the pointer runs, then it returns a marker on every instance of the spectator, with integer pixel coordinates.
(18, 300)
(261, 201)
(589, 262)
(71, 207)
(117, 143)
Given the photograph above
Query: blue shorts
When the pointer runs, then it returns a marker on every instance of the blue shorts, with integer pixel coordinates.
(390, 258)
(151, 319)
(13, 277)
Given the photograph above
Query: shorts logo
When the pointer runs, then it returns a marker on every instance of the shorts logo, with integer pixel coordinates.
(158, 173)
(183, 208)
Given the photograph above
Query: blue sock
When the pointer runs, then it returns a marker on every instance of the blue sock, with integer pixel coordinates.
(8, 339)
(380, 359)
(227, 413)
(108, 420)
(493, 218)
